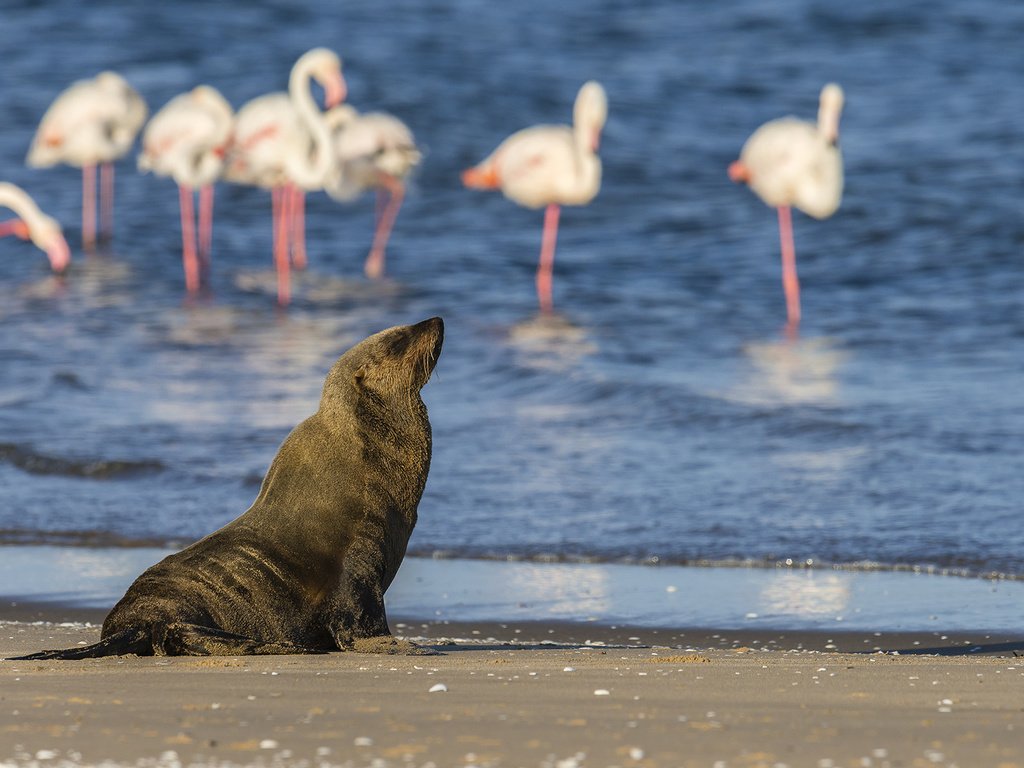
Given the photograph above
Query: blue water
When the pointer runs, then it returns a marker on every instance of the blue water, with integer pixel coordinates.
(665, 414)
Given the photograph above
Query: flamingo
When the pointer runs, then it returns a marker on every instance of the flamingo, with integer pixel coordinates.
(790, 162)
(552, 166)
(33, 224)
(93, 122)
(282, 142)
(374, 150)
(187, 140)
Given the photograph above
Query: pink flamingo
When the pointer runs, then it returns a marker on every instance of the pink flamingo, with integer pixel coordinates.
(549, 165)
(789, 162)
(187, 140)
(93, 122)
(282, 142)
(374, 150)
(32, 224)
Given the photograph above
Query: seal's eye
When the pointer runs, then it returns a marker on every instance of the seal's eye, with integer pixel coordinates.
(399, 344)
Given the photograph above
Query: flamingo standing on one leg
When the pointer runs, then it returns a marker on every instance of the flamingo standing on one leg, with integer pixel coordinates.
(374, 151)
(549, 165)
(187, 140)
(282, 141)
(789, 162)
(32, 224)
(93, 122)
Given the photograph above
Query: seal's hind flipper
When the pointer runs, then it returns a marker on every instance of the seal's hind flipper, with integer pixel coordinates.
(182, 639)
(129, 641)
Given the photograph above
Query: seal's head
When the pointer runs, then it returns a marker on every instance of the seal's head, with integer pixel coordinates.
(387, 369)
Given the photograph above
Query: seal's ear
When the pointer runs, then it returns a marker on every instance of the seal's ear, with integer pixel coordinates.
(359, 376)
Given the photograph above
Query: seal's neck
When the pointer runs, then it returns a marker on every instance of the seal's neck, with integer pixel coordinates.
(396, 440)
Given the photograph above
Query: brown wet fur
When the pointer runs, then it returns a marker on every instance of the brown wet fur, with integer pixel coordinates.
(305, 568)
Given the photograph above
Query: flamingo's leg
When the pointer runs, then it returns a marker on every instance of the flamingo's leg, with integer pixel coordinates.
(379, 203)
(106, 200)
(547, 257)
(188, 240)
(89, 206)
(281, 219)
(790, 282)
(205, 229)
(298, 216)
(395, 192)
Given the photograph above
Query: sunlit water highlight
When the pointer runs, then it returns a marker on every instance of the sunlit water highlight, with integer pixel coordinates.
(604, 594)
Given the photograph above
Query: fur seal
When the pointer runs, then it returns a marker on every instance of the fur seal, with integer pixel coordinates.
(305, 568)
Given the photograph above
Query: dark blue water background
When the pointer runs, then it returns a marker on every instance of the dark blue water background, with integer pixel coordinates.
(666, 415)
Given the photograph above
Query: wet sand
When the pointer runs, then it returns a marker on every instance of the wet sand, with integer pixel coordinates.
(523, 695)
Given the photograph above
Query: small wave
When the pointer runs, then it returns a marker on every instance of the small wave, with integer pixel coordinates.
(69, 379)
(97, 539)
(28, 460)
(861, 566)
(82, 539)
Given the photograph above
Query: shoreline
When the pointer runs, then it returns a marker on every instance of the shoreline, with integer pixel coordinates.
(592, 634)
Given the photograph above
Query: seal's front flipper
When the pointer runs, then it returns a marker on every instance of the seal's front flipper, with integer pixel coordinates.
(129, 641)
(391, 646)
(182, 639)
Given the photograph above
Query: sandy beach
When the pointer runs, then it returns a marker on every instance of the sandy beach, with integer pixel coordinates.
(522, 695)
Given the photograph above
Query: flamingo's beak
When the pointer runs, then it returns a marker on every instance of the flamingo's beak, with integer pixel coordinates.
(477, 178)
(739, 172)
(335, 91)
(222, 151)
(59, 253)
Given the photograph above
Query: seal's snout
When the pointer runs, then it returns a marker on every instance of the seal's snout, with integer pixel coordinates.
(434, 324)
(432, 332)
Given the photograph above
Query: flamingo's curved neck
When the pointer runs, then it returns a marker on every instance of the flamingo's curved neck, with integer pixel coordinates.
(828, 125)
(829, 109)
(309, 170)
(586, 136)
(23, 206)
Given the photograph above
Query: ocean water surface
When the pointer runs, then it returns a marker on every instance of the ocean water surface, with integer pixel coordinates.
(662, 415)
